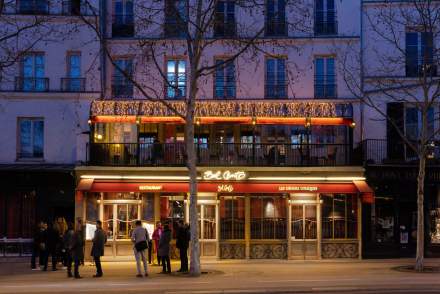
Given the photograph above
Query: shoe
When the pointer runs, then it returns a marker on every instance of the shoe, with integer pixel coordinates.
(78, 277)
(35, 269)
(146, 275)
(179, 271)
(69, 275)
(97, 276)
(44, 269)
(64, 268)
(54, 269)
(139, 276)
(163, 272)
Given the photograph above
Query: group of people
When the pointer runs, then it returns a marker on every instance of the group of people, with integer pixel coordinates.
(65, 243)
(162, 237)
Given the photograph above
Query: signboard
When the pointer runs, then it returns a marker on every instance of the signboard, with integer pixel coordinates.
(227, 175)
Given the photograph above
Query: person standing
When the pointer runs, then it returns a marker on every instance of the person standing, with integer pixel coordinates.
(182, 243)
(164, 249)
(36, 246)
(140, 238)
(83, 237)
(156, 237)
(52, 246)
(78, 248)
(99, 240)
(68, 245)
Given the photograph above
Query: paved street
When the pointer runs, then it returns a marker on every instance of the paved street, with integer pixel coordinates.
(376, 276)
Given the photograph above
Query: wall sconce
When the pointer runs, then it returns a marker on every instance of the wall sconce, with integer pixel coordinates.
(198, 121)
(308, 122)
(138, 120)
(353, 124)
(254, 121)
(89, 121)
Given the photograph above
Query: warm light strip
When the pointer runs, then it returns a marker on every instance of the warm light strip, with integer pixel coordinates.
(112, 177)
(281, 120)
(235, 119)
(344, 179)
(158, 119)
(113, 118)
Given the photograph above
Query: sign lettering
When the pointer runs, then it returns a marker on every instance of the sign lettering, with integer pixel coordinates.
(225, 188)
(150, 188)
(226, 175)
(298, 188)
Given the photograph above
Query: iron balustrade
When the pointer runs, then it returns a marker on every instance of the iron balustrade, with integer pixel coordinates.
(220, 154)
(276, 91)
(123, 25)
(31, 84)
(73, 84)
(33, 7)
(325, 89)
(275, 28)
(380, 151)
(326, 28)
(121, 88)
(77, 7)
(225, 29)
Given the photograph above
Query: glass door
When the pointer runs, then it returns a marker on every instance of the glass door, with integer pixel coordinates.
(207, 228)
(304, 230)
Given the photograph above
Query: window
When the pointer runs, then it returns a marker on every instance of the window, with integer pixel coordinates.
(413, 122)
(74, 7)
(276, 85)
(121, 85)
(73, 82)
(224, 80)
(268, 217)
(276, 18)
(32, 73)
(176, 18)
(30, 138)
(232, 217)
(34, 6)
(176, 79)
(123, 19)
(172, 210)
(325, 17)
(224, 24)
(325, 79)
(419, 54)
(339, 216)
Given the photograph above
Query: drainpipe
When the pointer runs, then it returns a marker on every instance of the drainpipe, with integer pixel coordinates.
(103, 32)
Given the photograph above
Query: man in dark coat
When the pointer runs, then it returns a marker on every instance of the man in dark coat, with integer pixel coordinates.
(99, 240)
(182, 243)
(36, 247)
(53, 240)
(78, 248)
(68, 245)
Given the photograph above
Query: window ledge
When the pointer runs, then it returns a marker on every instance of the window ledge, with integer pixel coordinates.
(30, 159)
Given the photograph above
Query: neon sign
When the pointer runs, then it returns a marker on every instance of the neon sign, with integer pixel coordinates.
(226, 175)
(225, 188)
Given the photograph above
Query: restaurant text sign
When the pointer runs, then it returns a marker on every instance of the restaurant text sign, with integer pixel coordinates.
(227, 175)
(150, 188)
(298, 188)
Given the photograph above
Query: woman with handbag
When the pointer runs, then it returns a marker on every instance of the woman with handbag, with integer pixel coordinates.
(140, 238)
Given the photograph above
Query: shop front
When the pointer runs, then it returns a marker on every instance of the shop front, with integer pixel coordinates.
(253, 213)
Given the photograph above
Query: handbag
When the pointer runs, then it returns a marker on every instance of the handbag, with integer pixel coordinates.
(140, 246)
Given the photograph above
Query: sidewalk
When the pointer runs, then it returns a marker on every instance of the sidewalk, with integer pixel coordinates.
(232, 276)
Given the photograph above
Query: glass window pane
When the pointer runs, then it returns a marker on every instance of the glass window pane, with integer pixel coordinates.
(310, 231)
(339, 216)
(26, 149)
(38, 139)
(297, 222)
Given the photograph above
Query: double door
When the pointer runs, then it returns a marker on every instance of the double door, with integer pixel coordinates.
(304, 231)
(118, 221)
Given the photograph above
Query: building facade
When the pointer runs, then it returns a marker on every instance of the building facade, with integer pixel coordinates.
(282, 135)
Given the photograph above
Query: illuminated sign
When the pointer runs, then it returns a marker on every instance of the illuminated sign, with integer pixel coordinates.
(150, 188)
(225, 188)
(298, 188)
(226, 175)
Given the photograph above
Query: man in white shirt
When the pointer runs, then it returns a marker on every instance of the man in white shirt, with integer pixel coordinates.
(140, 238)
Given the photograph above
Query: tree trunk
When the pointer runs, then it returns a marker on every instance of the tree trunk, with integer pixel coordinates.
(420, 215)
(192, 169)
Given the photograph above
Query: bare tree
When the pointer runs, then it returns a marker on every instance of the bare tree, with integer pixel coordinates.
(188, 29)
(399, 63)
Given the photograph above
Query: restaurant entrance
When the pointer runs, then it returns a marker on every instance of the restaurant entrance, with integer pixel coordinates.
(117, 221)
(304, 226)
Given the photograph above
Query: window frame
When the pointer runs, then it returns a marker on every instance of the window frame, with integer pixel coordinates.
(124, 80)
(346, 218)
(226, 78)
(19, 152)
(326, 76)
(276, 74)
(276, 20)
(416, 69)
(177, 60)
(325, 19)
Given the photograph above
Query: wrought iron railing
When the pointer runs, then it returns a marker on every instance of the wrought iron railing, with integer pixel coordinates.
(326, 27)
(275, 28)
(123, 25)
(15, 247)
(77, 7)
(34, 7)
(219, 154)
(73, 84)
(31, 84)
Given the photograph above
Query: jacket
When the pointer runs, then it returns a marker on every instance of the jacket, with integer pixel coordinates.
(183, 237)
(68, 240)
(99, 240)
(164, 243)
(140, 234)
(78, 245)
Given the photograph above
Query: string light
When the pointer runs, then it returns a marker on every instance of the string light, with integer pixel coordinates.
(216, 108)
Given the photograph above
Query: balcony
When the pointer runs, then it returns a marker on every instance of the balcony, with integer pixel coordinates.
(73, 84)
(76, 7)
(382, 152)
(33, 7)
(276, 91)
(123, 25)
(324, 90)
(324, 28)
(121, 88)
(32, 84)
(276, 28)
(219, 154)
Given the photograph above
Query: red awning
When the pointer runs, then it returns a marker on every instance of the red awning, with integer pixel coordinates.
(85, 185)
(222, 187)
(365, 190)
